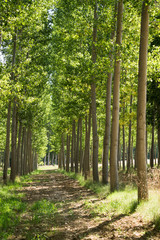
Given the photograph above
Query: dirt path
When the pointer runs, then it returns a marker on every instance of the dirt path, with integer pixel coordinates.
(72, 219)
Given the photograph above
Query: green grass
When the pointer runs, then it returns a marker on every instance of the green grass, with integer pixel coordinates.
(11, 205)
(124, 201)
(42, 209)
(150, 210)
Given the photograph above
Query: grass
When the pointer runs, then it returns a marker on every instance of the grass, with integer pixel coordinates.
(11, 205)
(125, 201)
(42, 209)
(150, 210)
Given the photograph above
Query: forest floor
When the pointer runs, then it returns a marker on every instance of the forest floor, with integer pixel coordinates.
(57, 209)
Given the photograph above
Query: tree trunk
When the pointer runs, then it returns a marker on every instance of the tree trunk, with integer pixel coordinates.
(25, 165)
(14, 141)
(129, 137)
(141, 106)
(62, 151)
(36, 161)
(22, 154)
(29, 150)
(106, 140)
(19, 149)
(73, 145)
(93, 102)
(119, 150)
(87, 145)
(45, 160)
(68, 153)
(7, 148)
(124, 148)
(60, 159)
(152, 148)
(115, 114)
(80, 145)
(77, 148)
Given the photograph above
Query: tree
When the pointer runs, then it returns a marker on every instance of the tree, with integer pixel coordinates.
(141, 106)
(115, 113)
(106, 141)
(93, 102)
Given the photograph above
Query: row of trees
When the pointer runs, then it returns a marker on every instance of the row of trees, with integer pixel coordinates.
(57, 65)
(25, 99)
(89, 48)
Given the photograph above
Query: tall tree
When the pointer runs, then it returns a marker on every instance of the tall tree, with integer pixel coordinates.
(115, 114)
(93, 102)
(106, 140)
(141, 106)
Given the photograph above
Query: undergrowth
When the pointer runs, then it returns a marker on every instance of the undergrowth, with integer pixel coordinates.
(124, 201)
(11, 205)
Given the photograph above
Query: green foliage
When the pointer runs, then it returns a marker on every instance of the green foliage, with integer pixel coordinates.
(42, 209)
(10, 205)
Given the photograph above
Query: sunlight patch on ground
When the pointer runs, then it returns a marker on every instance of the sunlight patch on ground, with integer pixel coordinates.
(48, 167)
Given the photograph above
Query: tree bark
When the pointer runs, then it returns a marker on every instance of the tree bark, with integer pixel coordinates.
(62, 151)
(77, 148)
(19, 149)
(124, 148)
(106, 140)
(73, 145)
(14, 142)
(68, 153)
(7, 147)
(152, 148)
(80, 145)
(129, 137)
(115, 114)
(141, 106)
(93, 102)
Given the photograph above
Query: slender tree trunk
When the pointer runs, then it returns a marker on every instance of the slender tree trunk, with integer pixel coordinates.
(155, 153)
(93, 100)
(14, 141)
(22, 153)
(29, 150)
(19, 149)
(62, 151)
(129, 137)
(80, 145)
(141, 106)
(60, 159)
(119, 151)
(7, 148)
(14, 117)
(77, 148)
(152, 148)
(86, 159)
(45, 160)
(36, 161)
(25, 165)
(124, 148)
(87, 145)
(68, 153)
(115, 114)
(132, 152)
(106, 140)
(73, 145)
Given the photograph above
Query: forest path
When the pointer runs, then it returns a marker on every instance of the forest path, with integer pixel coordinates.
(72, 219)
